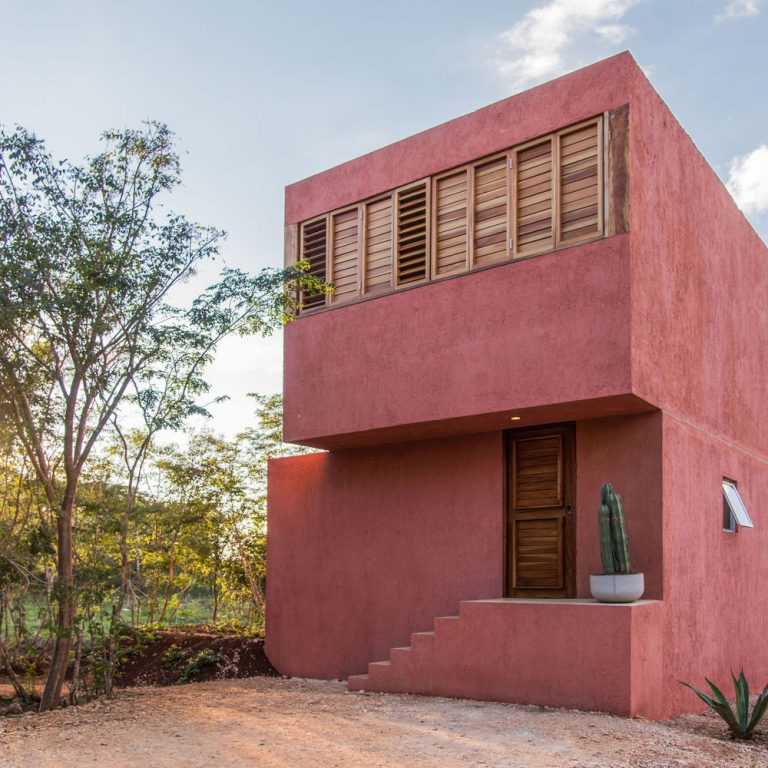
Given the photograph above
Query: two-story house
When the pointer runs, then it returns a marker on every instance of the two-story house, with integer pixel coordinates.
(544, 295)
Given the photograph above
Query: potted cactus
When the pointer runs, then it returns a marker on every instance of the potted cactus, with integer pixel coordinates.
(617, 583)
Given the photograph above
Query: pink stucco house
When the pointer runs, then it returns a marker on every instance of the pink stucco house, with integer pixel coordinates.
(547, 294)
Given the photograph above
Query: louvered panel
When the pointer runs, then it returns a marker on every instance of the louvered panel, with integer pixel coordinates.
(580, 183)
(539, 472)
(450, 233)
(345, 260)
(412, 236)
(539, 553)
(314, 249)
(378, 246)
(489, 211)
(534, 199)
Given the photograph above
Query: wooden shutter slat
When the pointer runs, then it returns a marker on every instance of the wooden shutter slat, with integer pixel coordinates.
(411, 234)
(313, 248)
(490, 212)
(345, 255)
(539, 546)
(534, 194)
(579, 183)
(450, 241)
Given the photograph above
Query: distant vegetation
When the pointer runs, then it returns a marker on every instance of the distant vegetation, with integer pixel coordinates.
(102, 523)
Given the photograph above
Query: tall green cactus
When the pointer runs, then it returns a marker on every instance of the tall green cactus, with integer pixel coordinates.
(614, 544)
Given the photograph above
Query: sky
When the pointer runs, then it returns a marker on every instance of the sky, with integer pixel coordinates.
(262, 94)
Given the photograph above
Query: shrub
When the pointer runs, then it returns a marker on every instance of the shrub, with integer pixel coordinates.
(205, 658)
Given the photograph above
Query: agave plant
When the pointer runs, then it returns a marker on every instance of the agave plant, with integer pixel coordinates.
(740, 722)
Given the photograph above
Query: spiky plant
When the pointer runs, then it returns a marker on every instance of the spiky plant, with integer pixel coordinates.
(740, 722)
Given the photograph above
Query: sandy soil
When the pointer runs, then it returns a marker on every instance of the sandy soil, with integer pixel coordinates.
(299, 723)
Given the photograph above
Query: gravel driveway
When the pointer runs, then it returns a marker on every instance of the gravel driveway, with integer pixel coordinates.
(297, 723)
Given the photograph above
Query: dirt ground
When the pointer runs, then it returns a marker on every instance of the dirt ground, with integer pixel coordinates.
(269, 721)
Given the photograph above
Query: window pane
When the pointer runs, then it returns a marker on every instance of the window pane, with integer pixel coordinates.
(734, 500)
(729, 521)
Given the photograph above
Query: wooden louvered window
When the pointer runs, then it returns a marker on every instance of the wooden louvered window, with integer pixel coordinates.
(580, 174)
(450, 224)
(534, 198)
(538, 196)
(345, 255)
(490, 211)
(314, 248)
(377, 272)
(412, 234)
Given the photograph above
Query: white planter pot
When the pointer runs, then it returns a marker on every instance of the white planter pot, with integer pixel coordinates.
(617, 587)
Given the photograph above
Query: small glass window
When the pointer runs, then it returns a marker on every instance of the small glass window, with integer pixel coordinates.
(734, 512)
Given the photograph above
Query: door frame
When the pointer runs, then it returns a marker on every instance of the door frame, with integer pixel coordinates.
(568, 431)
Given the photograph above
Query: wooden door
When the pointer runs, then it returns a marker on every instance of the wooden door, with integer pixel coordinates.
(540, 526)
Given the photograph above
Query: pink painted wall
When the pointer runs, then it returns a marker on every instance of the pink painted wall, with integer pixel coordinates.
(699, 321)
(627, 452)
(717, 615)
(574, 97)
(546, 330)
(367, 546)
(699, 276)
(559, 654)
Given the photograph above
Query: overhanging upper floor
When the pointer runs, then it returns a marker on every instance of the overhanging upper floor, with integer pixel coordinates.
(467, 354)
(566, 253)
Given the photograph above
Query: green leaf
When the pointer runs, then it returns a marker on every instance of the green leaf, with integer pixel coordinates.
(761, 705)
(719, 705)
(742, 699)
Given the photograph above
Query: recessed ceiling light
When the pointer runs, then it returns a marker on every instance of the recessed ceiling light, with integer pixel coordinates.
(515, 418)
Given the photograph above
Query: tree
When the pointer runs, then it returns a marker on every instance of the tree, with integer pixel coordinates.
(88, 259)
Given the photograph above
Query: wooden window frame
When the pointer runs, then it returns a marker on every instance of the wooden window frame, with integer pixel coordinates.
(396, 284)
(332, 299)
(598, 122)
(433, 223)
(511, 251)
(364, 292)
(514, 152)
(300, 247)
(508, 250)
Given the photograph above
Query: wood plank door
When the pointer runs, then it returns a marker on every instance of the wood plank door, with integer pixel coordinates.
(541, 523)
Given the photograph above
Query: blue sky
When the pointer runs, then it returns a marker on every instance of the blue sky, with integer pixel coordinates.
(262, 94)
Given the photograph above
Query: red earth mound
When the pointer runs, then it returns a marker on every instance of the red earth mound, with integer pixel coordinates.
(172, 656)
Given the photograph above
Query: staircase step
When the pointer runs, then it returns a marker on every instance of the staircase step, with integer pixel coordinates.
(422, 640)
(402, 660)
(446, 627)
(357, 683)
(378, 671)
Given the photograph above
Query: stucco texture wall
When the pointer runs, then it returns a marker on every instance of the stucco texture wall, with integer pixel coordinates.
(699, 319)
(566, 100)
(627, 452)
(715, 582)
(367, 546)
(550, 329)
(699, 277)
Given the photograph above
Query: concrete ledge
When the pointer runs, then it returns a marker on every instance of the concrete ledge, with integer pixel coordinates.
(578, 654)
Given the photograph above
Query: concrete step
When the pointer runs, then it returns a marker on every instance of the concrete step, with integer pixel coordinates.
(357, 682)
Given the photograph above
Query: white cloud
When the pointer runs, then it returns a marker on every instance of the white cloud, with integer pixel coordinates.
(748, 180)
(739, 9)
(541, 44)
